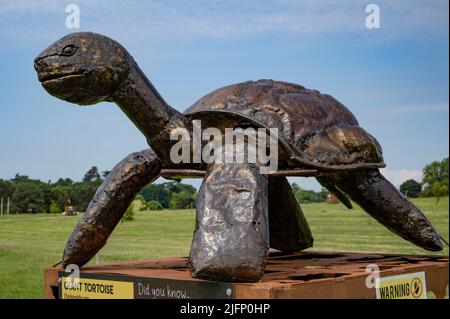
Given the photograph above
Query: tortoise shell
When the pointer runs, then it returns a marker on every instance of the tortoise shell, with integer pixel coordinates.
(315, 129)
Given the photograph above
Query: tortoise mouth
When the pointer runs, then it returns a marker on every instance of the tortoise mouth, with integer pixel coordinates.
(48, 78)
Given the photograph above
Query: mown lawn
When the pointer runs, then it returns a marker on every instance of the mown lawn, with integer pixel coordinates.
(29, 243)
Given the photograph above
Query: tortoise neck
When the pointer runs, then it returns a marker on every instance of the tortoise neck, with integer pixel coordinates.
(142, 103)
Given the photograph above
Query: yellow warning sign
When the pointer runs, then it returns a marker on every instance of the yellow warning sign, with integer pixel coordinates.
(84, 288)
(409, 286)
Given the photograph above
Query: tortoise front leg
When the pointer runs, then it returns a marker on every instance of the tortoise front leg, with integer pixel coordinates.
(109, 204)
(231, 238)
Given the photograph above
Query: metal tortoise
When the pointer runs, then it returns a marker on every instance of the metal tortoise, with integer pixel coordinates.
(318, 136)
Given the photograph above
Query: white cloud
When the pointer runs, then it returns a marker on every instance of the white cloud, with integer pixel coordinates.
(225, 19)
(398, 176)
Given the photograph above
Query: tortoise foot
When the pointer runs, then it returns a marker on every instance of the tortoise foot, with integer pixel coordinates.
(231, 239)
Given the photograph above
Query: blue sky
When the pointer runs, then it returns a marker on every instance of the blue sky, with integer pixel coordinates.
(394, 79)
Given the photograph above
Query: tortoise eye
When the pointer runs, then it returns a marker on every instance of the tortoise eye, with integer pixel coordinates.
(68, 50)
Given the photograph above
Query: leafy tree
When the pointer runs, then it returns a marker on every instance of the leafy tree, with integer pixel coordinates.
(60, 193)
(64, 182)
(105, 174)
(164, 193)
(139, 197)
(82, 195)
(438, 190)
(308, 196)
(435, 179)
(140, 201)
(411, 188)
(54, 208)
(158, 193)
(176, 187)
(29, 196)
(153, 205)
(20, 178)
(182, 200)
(92, 175)
(437, 171)
(6, 188)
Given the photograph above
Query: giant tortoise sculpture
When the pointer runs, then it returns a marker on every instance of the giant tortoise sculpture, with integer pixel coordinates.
(240, 212)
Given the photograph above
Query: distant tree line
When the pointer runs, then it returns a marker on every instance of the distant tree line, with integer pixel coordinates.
(308, 196)
(172, 195)
(34, 196)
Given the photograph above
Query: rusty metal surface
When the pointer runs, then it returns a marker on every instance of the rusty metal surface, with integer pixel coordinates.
(316, 132)
(299, 275)
(178, 173)
(231, 238)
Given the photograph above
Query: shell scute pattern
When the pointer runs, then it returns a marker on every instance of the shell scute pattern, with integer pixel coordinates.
(320, 129)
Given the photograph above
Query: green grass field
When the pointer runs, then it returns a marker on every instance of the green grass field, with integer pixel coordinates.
(29, 243)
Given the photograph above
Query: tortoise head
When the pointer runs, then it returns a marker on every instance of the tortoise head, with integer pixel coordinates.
(83, 68)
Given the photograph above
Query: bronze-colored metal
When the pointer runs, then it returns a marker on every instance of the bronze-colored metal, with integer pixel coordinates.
(326, 182)
(319, 131)
(318, 136)
(109, 204)
(289, 230)
(182, 173)
(198, 173)
(381, 200)
(231, 238)
(295, 172)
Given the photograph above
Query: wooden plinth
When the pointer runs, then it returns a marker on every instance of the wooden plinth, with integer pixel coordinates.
(300, 275)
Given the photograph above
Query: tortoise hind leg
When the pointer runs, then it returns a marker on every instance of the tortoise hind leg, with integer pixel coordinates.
(231, 238)
(289, 230)
(109, 204)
